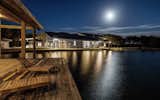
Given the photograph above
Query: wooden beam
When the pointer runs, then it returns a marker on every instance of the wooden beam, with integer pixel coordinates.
(36, 23)
(15, 27)
(17, 8)
(23, 44)
(7, 15)
(34, 43)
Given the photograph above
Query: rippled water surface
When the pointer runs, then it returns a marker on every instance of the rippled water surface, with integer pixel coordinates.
(107, 75)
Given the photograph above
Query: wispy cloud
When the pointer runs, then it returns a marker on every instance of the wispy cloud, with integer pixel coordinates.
(130, 30)
(108, 29)
(67, 28)
(147, 33)
(91, 27)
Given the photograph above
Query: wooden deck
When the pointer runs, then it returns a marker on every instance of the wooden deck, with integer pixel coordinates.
(15, 70)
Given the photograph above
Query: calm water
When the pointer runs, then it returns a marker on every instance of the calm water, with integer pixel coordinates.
(107, 75)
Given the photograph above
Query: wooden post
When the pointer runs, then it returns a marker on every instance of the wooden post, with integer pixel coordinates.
(0, 38)
(34, 43)
(23, 39)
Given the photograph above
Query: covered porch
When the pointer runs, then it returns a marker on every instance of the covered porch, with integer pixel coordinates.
(15, 11)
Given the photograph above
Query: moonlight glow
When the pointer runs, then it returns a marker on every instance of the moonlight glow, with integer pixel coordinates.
(110, 16)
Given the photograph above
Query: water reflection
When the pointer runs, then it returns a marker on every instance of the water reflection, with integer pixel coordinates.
(98, 62)
(107, 86)
(85, 62)
(74, 59)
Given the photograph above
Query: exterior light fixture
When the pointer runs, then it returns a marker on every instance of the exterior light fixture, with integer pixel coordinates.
(110, 42)
(55, 39)
(1, 15)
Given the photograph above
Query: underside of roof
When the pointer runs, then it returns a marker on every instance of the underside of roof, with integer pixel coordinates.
(14, 10)
(78, 36)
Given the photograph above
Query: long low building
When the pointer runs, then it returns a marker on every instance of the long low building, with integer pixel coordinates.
(67, 40)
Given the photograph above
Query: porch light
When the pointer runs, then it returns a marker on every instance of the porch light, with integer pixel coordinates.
(1, 15)
(55, 39)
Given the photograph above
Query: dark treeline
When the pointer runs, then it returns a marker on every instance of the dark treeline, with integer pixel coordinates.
(142, 41)
(133, 41)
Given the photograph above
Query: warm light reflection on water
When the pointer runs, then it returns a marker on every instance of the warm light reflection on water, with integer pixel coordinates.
(85, 61)
(110, 80)
(74, 59)
(98, 62)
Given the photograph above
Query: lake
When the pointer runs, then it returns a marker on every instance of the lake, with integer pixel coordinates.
(108, 75)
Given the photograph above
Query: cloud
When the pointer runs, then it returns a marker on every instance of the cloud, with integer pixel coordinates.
(108, 29)
(148, 33)
(91, 27)
(127, 30)
(67, 29)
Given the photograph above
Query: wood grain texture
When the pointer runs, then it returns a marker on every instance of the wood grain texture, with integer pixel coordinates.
(15, 10)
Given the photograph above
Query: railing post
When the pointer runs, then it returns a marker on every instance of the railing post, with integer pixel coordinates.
(23, 39)
(34, 42)
(0, 39)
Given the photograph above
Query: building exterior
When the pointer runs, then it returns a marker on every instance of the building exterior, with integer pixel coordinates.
(66, 40)
(77, 40)
(5, 43)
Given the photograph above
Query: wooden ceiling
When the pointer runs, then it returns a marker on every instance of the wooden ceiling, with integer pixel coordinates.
(14, 10)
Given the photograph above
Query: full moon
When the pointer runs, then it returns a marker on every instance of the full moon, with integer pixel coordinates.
(110, 16)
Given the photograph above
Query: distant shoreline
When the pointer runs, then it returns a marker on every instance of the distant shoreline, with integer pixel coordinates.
(134, 49)
(17, 50)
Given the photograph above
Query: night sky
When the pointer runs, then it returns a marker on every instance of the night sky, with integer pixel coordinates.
(133, 17)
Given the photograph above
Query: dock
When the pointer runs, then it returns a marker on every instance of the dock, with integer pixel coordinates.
(20, 80)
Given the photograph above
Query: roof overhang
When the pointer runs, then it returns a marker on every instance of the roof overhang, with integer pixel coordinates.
(15, 10)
